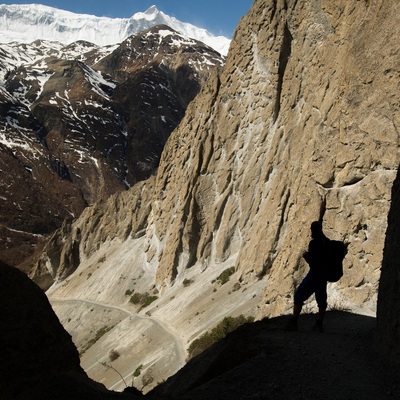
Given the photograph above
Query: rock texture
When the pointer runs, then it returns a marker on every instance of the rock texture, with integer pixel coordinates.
(123, 216)
(81, 122)
(302, 124)
(297, 128)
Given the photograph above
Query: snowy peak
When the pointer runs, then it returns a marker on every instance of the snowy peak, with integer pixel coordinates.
(153, 10)
(29, 22)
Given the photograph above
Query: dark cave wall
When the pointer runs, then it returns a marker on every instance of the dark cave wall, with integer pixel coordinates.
(388, 310)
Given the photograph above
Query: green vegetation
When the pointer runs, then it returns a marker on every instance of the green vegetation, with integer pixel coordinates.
(225, 275)
(136, 298)
(101, 332)
(227, 325)
(142, 299)
(236, 287)
(138, 371)
(187, 282)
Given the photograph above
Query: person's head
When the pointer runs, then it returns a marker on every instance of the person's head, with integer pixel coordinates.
(316, 229)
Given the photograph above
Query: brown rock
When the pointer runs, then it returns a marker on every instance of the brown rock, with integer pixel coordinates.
(296, 128)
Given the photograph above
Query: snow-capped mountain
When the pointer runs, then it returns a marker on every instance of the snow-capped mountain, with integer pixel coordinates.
(26, 23)
(80, 121)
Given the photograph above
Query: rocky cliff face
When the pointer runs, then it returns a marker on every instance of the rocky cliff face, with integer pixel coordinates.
(302, 124)
(298, 128)
(80, 122)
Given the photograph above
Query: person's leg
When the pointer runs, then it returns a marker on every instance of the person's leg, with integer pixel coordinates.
(297, 310)
(321, 298)
(302, 293)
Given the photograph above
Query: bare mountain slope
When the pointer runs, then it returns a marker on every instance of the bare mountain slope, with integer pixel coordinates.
(80, 122)
(301, 124)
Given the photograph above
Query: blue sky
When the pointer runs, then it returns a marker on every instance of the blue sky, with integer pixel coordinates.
(219, 17)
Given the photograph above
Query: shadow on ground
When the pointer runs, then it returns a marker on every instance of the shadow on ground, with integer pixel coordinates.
(257, 361)
(263, 361)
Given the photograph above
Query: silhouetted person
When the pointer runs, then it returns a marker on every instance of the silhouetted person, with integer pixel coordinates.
(315, 281)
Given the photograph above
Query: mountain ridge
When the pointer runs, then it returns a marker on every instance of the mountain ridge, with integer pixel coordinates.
(27, 23)
(80, 122)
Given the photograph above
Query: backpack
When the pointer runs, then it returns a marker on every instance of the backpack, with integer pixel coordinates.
(335, 253)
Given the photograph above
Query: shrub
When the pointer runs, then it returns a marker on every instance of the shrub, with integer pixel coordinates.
(101, 332)
(236, 287)
(227, 325)
(187, 282)
(136, 298)
(147, 300)
(336, 304)
(113, 355)
(147, 378)
(225, 275)
(138, 371)
(142, 299)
